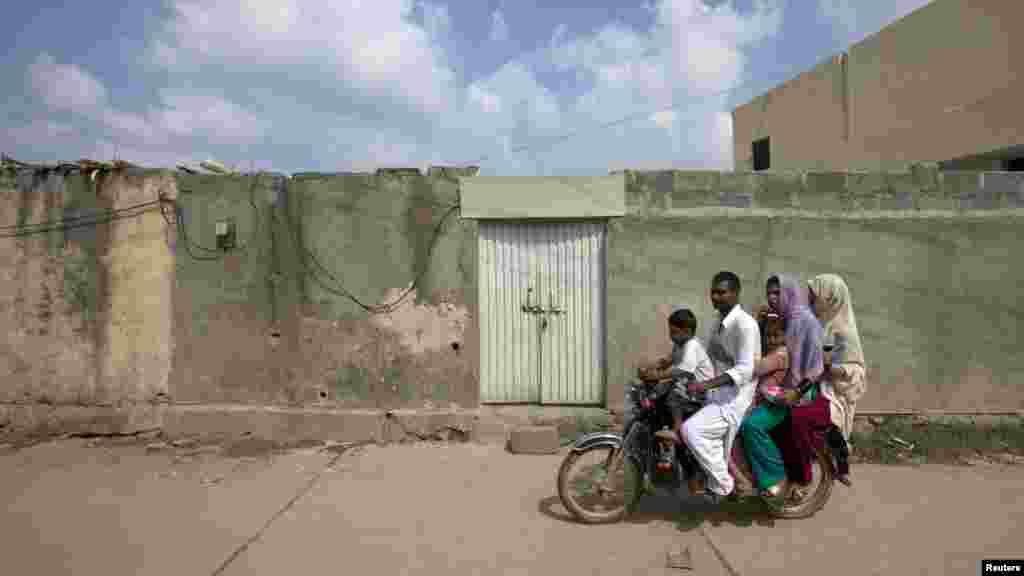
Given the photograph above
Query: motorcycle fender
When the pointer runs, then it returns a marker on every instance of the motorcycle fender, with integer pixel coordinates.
(597, 439)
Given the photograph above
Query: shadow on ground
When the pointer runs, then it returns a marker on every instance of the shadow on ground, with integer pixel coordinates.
(686, 513)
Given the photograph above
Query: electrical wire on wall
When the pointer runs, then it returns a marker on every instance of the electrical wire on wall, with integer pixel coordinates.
(76, 222)
(195, 250)
(305, 256)
(173, 214)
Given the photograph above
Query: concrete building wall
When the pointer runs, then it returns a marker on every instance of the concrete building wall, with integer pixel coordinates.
(812, 104)
(126, 314)
(87, 309)
(272, 323)
(940, 84)
(929, 258)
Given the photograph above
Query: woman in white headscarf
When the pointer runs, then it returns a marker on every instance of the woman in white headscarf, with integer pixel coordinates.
(845, 370)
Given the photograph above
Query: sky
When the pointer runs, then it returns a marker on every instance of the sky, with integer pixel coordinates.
(518, 87)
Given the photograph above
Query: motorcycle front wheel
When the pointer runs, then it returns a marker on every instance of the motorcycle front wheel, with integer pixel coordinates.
(601, 492)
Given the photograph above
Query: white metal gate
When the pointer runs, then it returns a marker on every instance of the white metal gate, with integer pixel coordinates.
(542, 312)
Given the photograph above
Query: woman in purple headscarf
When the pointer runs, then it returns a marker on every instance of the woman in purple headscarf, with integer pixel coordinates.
(775, 450)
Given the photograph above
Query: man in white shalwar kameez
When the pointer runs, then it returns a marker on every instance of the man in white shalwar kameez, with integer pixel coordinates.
(734, 345)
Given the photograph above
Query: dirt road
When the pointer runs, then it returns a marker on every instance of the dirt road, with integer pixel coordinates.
(461, 509)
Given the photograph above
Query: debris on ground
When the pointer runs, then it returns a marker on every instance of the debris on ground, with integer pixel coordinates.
(534, 440)
(898, 442)
(157, 446)
(185, 443)
(680, 559)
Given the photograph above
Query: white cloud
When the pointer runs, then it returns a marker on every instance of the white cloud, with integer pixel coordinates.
(372, 47)
(665, 119)
(189, 114)
(693, 53)
(499, 29)
(65, 87)
(162, 129)
(39, 133)
(105, 149)
(854, 20)
(721, 141)
(379, 52)
(487, 102)
(374, 83)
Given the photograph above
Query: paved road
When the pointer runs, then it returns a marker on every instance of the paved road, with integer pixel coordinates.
(461, 509)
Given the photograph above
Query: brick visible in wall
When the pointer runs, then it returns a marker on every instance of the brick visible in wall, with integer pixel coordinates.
(778, 190)
(963, 189)
(822, 191)
(737, 190)
(900, 193)
(641, 189)
(864, 190)
(1002, 190)
(692, 189)
(664, 182)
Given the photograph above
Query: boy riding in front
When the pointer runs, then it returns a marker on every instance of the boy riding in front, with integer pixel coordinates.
(689, 361)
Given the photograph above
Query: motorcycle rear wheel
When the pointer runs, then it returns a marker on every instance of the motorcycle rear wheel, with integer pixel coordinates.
(814, 501)
(630, 485)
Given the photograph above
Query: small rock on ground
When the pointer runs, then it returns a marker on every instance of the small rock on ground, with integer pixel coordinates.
(534, 440)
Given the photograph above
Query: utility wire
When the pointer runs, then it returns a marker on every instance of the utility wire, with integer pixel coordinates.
(63, 221)
(196, 251)
(305, 255)
(76, 223)
(181, 226)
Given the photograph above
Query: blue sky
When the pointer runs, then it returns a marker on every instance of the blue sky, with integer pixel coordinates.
(332, 85)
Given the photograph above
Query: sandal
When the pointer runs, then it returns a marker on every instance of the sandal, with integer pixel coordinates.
(775, 492)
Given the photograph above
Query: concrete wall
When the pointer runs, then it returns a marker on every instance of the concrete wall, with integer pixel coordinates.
(805, 119)
(940, 84)
(268, 324)
(135, 312)
(929, 257)
(124, 313)
(87, 311)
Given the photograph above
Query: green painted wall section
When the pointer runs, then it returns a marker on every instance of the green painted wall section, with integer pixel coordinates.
(370, 235)
(270, 322)
(929, 258)
(210, 277)
(81, 275)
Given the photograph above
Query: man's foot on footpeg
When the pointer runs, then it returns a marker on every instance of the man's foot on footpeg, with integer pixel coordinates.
(668, 436)
(845, 479)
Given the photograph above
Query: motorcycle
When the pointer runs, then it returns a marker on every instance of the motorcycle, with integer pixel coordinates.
(637, 462)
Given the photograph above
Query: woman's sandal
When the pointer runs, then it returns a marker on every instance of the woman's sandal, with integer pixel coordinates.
(844, 479)
(775, 492)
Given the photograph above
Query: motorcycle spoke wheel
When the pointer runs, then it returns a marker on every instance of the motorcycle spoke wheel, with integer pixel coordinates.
(595, 487)
(804, 501)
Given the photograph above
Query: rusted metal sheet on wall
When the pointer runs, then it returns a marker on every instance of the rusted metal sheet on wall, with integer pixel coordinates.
(542, 312)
